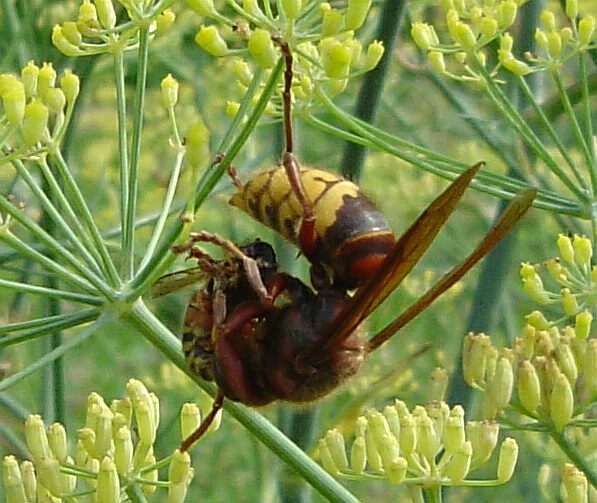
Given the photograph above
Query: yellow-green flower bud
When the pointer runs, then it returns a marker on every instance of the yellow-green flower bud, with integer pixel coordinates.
(14, 102)
(506, 44)
(70, 31)
(169, 86)
(356, 13)
(533, 287)
(488, 27)
(422, 34)
(590, 366)
(529, 386)
(483, 436)
(391, 415)
(437, 62)
(180, 464)
(108, 484)
(475, 358)
(29, 480)
(548, 19)
(14, 488)
(439, 383)
(210, 40)
(291, 8)
(54, 99)
(528, 341)
(190, 419)
(46, 78)
(562, 402)
(87, 438)
(165, 20)
(397, 470)
(48, 472)
(583, 251)
(335, 443)
(336, 58)
(454, 434)
(68, 482)
(87, 12)
(105, 13)
(507, 460)
(358, 455)
(81, 454)
(556, 270)
(103, 433)
(514, 65)
(586, 29)
(566, 361)
(232, 108)
(241, 71)
(505, 14)
(401, 408)
(464, 36)
(29, 75)
(566, 35)
(566, 249)
(326, 459)
(145, 422)
(427, 439)
(459, 465)
(408, 435)
(332, 22)
(123, 450)
(262, 48)
(571, 9)
(202, 7)
(252, 7)
(538, 320)
(541, 38)
(151, 474)
(554, 44)
(70, 85)
(197, 143)
(374, 54)
(576, 488)
(373, 455)
(543, 343)
(582, 324)
(389, 450)
(36, 437)
(569, 302)
(122, 407)
(57, 441)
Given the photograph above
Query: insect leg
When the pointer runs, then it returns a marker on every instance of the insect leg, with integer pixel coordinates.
(513, 212)
(205, 424)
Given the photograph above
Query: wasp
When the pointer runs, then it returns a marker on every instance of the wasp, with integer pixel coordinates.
(263, 335)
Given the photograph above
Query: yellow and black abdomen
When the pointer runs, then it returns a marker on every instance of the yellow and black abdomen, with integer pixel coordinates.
(352, 237)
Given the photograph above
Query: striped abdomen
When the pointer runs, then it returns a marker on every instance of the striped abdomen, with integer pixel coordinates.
(197, 343)
(352, 237)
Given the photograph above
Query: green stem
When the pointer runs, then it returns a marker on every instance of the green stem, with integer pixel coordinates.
(84, 214)
(53, 323)
(59, 352)
(42, 290)
(133, 172)
(575, 126)
(573, 455)
(544, 122)
(122, 145)
(587, 118)
(433, 494)
(144, 320)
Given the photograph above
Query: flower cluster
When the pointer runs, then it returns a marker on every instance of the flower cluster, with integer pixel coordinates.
(106, 461)
(95, 30)
(473, 26)
(36, 111)
(321, 37)
(428, 446)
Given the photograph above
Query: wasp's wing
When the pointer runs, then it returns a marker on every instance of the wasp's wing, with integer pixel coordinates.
(513, 212)
(406, 253)
(177, 280)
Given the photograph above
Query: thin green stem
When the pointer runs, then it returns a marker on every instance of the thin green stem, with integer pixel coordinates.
(57, 322)
(59, 352)
(166, 205)
(575, 126)
(42, 259)
(52, 212)
(50, 292)
(144, 320)
(543, 120)
(84, 213)
(573, 455)
(122, 145)
(587, 116)
(133, 172)
(433, 494)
